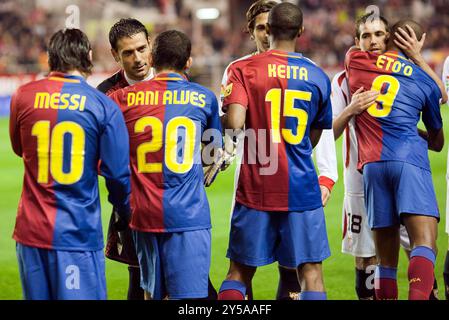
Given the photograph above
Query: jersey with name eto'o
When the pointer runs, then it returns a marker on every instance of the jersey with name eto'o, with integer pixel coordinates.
(166, 118)
(387, 130)
(62, 127)
(286, 95)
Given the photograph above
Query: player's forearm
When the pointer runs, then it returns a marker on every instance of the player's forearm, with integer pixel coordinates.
(341, 122)
(419, 60)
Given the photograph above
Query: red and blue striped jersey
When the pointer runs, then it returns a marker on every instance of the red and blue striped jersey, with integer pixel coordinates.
(285, 95)
(387, 130)
(62, 127)
(166, 118)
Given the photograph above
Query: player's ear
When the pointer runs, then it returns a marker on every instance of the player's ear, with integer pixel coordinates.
(301, 31)
(90, 56)
(387, 37)
(115, 55)
(357, 41)
(188, 63)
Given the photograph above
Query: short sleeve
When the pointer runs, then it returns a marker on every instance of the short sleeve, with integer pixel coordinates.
(234, 91)
(323, 118)
(431, 114)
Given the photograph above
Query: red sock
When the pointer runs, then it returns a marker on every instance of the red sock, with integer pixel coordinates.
(421, 278)
(231, 295)
(386, 289)
(232, 290)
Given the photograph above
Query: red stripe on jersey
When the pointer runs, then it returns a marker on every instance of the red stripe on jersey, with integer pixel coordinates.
(36, 214)
(146, 187)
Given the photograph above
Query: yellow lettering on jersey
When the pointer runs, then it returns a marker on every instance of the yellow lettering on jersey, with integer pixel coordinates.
(168, 97)
(72, 102)
(287, 72)
(394, 66)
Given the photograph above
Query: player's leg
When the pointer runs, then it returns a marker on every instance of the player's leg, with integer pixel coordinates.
(288, 285)
(405, 244)
(365, 268)
(121, 248)
(251, 244)
(135, 292)
(33, 276)
(358, 241)
(380, 180)
(185, 258)
(417, 204)
(304, 244)
(423, 232)
(151, 272)
(387, 248)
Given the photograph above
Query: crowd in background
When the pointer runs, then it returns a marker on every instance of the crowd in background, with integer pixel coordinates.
(25, 28)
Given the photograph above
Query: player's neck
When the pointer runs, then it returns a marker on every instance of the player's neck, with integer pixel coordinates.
(159, 71)
(282, 45)
(76, 73)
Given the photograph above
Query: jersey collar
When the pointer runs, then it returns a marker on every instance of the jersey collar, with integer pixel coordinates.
(170, 76)
(64, 77)
(396, 54)
(285, 53)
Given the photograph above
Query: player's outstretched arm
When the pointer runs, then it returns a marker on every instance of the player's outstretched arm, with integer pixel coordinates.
(360, 102)
(412, 48)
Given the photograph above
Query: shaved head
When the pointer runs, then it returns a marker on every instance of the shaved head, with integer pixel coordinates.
(285, 21)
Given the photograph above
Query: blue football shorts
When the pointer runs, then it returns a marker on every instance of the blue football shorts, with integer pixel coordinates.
(393, 188)
(174, 265)
(292, 238)
(61, 275)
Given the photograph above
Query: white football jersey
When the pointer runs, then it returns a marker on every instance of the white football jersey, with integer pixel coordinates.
(353, 179)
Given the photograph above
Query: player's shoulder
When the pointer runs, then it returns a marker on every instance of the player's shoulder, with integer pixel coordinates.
(239, 60)
(114, 82)
(202, 89)
(242, 62)
(339, 80)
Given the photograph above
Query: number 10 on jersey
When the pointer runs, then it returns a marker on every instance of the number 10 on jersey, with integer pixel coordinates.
(274, 96)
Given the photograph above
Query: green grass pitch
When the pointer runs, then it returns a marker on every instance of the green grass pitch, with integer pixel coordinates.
(338, 269)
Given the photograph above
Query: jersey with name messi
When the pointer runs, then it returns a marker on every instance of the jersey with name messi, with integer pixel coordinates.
(62, 127)
(387, 130)
(286, 95)
(166, 118)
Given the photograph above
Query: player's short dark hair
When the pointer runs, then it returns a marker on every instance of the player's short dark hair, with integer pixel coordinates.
(258, 7)
(171, 49)
(370, 16)
(285, 20)
(417, 28)
(126, 27)
(68, 50)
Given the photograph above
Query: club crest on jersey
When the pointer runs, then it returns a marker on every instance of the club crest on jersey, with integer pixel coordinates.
(226, 91)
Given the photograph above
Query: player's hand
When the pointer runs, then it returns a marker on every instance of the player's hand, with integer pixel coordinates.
(409, 43)
(121, 219)
(211, 171)
(362, 100)
(230, 151)
(325, 195)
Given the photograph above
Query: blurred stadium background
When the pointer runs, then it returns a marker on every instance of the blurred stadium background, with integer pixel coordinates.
(217, 29)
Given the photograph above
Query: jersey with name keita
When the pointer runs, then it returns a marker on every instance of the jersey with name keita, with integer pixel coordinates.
(286, 95)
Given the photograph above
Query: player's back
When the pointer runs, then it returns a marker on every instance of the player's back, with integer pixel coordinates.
(285, 95)
(166, 118)
(57, 130)
(388, 129)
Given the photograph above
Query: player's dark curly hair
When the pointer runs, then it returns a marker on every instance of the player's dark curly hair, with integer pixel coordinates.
(285, 21)
(370, 16)
(125, 28)
(171, 50)
(258, 7)
(68, 50)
